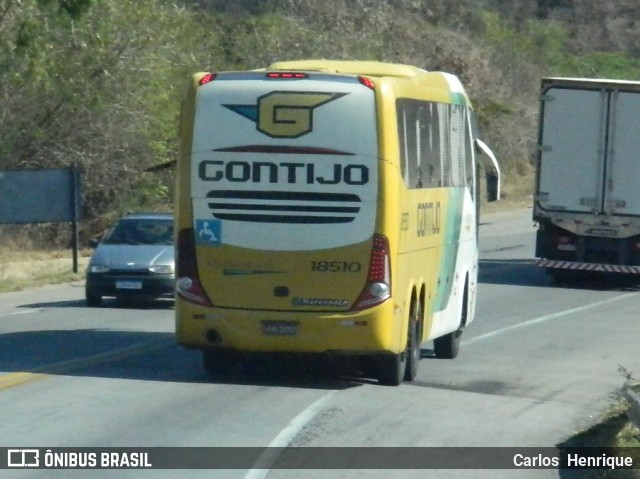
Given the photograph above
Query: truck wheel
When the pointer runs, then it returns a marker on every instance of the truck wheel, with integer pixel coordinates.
(561, 276)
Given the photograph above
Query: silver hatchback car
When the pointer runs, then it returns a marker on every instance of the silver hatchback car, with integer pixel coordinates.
(134, 259)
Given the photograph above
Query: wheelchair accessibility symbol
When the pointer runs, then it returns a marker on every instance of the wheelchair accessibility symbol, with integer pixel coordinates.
(209, 232)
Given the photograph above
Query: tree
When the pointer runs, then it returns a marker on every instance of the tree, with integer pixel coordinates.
(97, 85)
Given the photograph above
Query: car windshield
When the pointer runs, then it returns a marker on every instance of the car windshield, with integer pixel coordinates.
(141, 231)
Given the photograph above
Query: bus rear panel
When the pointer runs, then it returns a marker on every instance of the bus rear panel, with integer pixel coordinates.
(284, 194)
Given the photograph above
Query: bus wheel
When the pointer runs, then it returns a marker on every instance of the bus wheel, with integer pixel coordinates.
(391, 369)
(447, 346)
(217, 363)
(413, 345)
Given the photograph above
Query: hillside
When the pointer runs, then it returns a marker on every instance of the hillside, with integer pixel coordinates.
(97, 84)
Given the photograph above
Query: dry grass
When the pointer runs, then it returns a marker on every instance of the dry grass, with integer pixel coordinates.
(614, 430)
(517, 190)
(22, 268)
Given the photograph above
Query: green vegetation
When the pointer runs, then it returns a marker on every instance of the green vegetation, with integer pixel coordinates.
(613, 430)
(97, 83)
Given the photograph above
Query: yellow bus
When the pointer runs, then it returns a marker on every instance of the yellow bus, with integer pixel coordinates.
(327, 207)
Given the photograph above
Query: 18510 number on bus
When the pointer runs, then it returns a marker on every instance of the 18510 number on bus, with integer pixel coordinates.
(336, 266)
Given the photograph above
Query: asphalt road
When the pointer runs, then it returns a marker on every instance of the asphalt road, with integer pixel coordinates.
(539, 363)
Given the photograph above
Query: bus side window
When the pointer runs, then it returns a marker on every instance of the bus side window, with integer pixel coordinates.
(468, 151)
(459, 142)
(444, 121)
(419, 177)
(432, 151)
(404, 140)
(408, 131)
(435, 144)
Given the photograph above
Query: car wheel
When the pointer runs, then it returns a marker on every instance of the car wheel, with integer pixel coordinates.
(93, 298)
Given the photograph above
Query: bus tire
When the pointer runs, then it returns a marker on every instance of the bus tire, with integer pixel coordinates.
(413, 344)
(391, 369)
(216, 362)
(447, 346)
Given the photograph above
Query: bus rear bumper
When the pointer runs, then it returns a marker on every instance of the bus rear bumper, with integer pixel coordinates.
(353, 333)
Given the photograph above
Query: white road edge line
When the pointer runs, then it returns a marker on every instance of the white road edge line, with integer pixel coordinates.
(284, 438)
(26, 311)
(548, 317)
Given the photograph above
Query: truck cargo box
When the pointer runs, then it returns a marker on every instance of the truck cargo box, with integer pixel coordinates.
(586, 198)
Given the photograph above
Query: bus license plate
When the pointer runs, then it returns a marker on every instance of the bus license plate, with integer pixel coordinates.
(128, 284)
(280, 328)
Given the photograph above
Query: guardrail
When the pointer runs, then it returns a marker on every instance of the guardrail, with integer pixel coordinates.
(634, 404)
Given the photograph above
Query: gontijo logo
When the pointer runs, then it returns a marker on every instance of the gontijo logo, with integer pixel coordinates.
(285, 114)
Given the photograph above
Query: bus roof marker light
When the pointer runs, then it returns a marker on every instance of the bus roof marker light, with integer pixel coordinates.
(287, 75)
(208, 78)
(368, 82)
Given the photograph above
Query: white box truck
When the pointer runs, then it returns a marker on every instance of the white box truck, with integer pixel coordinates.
(587, 193)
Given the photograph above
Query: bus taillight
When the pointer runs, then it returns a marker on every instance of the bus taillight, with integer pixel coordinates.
(378, 286)
(188, 283)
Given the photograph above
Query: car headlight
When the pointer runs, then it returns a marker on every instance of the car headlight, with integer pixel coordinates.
(99, 268)
(162, 269)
